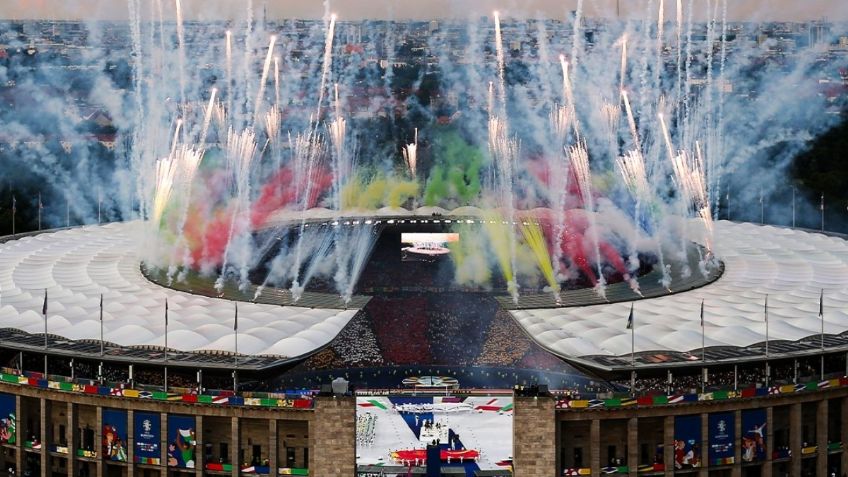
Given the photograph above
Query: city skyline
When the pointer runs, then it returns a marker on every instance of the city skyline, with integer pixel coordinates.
(756, 10)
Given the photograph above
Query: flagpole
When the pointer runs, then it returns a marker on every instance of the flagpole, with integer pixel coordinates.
(44, 312)
(632, 326)
(703, 335)
(767, 328)
(793, 206)
(235, 357)
(821, 315)
(767, 341)
(166, 344)
(101, 325)
(703, 351)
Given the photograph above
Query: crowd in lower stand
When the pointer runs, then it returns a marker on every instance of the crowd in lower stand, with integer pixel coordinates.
(782, 371)
(505, 343)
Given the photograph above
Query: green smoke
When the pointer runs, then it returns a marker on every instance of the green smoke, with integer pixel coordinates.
(455, 176)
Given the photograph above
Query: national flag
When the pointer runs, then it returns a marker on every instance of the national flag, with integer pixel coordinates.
(702, 313)
(235, 321)
(14, 204)
(821, 205)
(373, 403)
(101, 307)
(44, 307)
(166, 312)
(821, 305)
(630, 318)
(766, 309)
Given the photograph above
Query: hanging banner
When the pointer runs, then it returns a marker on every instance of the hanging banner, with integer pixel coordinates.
(147, 436)
(181, 441)
(753, 435)
(722, 437)
(687, 442)
(8, 419)
(115, 435)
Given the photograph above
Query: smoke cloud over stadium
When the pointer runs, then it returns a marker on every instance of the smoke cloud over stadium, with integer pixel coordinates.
(569, 148)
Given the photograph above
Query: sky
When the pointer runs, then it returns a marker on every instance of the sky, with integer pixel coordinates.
(757, 10)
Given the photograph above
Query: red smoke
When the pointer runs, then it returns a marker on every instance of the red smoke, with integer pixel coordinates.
(281, 191)
(207, 231)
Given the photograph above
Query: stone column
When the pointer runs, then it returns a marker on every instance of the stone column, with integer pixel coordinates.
(737, 445)
(235, 446)
(668, 445)
(705, 445)
(70, 428)
(332, 436)
(768, 467)
(844, 436)
(272, 446)
(19, 436)
(100, 466)
(821, 437)
(130, 443)
(558, 446)
(44, 410)
(534, 420)
(795, 431)
(595, 447)
(633, 446)
(163, 443)
(199, 447)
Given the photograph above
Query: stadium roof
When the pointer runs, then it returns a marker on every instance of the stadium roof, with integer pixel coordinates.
(77, 265)
(791, 266)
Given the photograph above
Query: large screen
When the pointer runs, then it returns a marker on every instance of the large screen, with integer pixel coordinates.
(474, 433)
(422, 246)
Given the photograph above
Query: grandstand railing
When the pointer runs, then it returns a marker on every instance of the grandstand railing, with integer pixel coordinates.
(291, 400)
(304, 399)
(566, 403)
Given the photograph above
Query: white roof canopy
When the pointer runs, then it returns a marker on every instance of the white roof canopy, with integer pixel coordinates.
(791, 266)
(77, 265)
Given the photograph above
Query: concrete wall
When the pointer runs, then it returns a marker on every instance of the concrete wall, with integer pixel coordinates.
(332, 437)
(545, 439)
(534, 451)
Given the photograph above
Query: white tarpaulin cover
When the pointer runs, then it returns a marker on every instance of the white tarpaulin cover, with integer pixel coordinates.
(791, 266)
(77, 265)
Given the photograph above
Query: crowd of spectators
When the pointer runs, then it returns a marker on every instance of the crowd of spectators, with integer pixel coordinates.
(742, 376)
(458, 324)
(356, 344)
(505, 344)
(401, 328)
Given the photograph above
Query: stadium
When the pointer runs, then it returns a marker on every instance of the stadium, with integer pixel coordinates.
(402, 344)
(480, 247)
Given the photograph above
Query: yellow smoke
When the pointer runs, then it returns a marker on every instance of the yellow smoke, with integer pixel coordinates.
(535, 239)
(400, 191)
(500, 237)
(376, 192)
